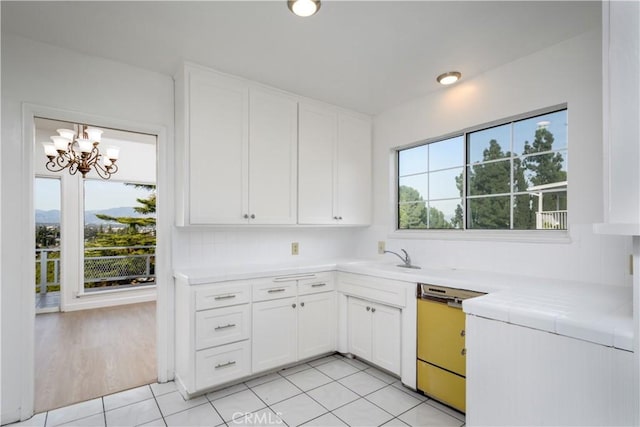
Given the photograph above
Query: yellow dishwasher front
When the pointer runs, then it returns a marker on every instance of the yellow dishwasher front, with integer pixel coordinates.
(441, 363)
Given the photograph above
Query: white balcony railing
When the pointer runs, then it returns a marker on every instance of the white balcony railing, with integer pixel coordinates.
(111, 270)
(551, 220)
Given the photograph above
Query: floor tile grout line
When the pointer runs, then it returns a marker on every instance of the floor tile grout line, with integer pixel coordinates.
(104, 412)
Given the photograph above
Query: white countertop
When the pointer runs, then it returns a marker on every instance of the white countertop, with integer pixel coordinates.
(597, 313)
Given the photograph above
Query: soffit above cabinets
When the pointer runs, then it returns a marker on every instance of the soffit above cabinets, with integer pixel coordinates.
(366, 56)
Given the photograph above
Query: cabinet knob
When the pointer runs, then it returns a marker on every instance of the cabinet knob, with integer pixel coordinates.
(340, 218)
(245, 216)
(301, 304)
(368, 308)
(373, 310)
(335, 217)
(463, 352)
(253, 216)
(293, 305)
(462, 333)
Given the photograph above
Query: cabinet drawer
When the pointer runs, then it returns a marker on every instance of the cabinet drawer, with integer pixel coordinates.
(222, 364)
(321, 283)
(268, 289)
(222, 295)
(222, 326)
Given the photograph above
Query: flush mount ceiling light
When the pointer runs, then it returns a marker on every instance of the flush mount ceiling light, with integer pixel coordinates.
(449, 78)
(304, 8)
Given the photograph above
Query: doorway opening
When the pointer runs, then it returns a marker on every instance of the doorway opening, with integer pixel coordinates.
(96, 248)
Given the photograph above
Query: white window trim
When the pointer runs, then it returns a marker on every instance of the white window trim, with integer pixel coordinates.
(510, 235)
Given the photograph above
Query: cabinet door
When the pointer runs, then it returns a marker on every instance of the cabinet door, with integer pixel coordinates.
(316, 324)
(359, 325)
(385, 346)
(316, 157)
(274, 333)
(273, 156)
(218, 143)
(354, 170)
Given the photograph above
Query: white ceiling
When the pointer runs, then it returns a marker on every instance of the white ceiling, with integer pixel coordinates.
(364, 55)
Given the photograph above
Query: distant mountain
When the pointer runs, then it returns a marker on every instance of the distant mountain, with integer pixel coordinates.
(53, 216)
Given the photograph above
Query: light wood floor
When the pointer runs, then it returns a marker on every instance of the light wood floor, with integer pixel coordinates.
(86, 354)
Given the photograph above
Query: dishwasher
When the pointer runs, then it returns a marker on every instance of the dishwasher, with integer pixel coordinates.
(441, 363)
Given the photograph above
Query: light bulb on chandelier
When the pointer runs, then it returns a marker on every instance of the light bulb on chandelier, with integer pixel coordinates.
(79, 152)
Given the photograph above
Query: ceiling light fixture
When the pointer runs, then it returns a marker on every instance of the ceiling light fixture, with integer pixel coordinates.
(449, 78)
(77, 150)
(304, 8)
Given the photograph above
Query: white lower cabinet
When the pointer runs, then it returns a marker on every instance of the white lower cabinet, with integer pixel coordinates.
(374, 332)
(213, 334)
(274, 333)
(230, 330)
(316, 324)
(290, 329)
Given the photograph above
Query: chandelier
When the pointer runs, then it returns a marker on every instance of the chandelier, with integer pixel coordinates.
(78, 151)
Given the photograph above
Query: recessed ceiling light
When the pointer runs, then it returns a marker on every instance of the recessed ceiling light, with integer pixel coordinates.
(304, 8)
(449, 78)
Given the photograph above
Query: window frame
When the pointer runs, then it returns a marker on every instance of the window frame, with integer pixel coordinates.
(465, 233)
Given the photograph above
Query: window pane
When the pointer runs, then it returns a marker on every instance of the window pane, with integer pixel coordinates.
(412, 215)
(541, 133)
(445, 184)
(544, 170)
(412, 160)
(119, 244)
(489, 144)
(413, 188)
(489, 178)
(446, 154)
(489, 213)
(524, 215)
(445, 214)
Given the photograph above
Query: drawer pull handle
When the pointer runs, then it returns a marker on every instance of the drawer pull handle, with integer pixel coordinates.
(463, 352)
(224, 365)
(273, 291)
(294, 277)
(318, 285)
(224, 297)
(230, 325)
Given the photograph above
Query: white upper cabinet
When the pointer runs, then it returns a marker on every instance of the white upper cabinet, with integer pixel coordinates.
(249, 154)
(237, 151)
(273, 157)
(621, 86)
(334, 170)
(217, 140)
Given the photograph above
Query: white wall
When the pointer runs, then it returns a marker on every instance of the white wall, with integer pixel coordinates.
(81, 87)
(202, 247)
(569, 72)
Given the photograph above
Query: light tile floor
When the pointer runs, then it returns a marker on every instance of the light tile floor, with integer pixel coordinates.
(330, 391)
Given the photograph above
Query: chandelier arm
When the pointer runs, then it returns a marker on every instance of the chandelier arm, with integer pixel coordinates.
(73, 168)
(104, 173)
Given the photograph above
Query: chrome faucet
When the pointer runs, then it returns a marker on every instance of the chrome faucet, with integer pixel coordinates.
(406, 259)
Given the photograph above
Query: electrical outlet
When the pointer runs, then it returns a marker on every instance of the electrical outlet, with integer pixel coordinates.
(295, 248)
(381, 247)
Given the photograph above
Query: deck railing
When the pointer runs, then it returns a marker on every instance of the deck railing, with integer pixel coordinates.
(122, 267)
(551, 220)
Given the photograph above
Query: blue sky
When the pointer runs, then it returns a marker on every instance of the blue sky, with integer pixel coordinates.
(99, 194)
